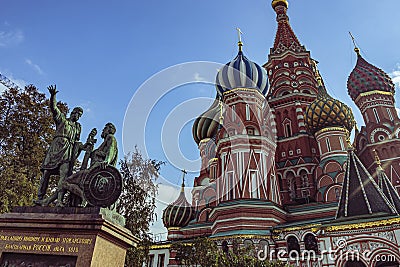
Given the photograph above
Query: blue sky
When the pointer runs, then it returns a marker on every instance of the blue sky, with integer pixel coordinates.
(100, 52)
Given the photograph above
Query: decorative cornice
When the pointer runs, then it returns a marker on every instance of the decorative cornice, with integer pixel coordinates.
(377, 92)
(243, 89)
(296, 228)
(160, 246)
(362, 225)
(328, 129)
(240, 236)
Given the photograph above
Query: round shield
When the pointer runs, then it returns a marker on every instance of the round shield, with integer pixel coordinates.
(102, 187)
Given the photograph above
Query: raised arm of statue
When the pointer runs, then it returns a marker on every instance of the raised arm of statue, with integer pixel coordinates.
(57, 115)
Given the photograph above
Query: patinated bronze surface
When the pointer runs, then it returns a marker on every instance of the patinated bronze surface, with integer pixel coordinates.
(100, 184)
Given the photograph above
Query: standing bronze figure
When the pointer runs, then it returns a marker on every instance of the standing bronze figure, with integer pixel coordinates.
(64, 148)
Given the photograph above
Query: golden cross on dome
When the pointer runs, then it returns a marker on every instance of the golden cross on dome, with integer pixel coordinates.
(184, 172)
(183, 175)
(239, 34)
(356, 49)
(240, 44)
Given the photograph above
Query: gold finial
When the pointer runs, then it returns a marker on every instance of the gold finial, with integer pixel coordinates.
(240, 44)
(317, 74)
(377, 159)
(183, 179)
(277, 2)
(355, 126)
(221, 111)
(349, 145)
(356, 49)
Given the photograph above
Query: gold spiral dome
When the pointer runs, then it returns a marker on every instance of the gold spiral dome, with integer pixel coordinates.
(326, 111)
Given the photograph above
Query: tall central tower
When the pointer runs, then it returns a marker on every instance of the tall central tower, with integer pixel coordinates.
(293, 86)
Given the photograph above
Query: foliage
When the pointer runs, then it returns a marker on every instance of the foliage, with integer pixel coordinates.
(26, 129)
(200, 252)
(137, 201)
(204, 252)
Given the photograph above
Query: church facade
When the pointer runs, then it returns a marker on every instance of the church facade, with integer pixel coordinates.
(279, 170)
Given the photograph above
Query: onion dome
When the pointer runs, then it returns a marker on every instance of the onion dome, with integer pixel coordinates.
(326, 111)
(366, 78)
(241, 73)
(206, 125)
(178, 213)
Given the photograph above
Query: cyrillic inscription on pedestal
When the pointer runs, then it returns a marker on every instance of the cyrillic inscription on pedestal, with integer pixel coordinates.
(26, 259)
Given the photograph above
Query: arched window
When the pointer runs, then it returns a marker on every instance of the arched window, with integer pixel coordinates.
(376, 115)
(293, 246)
(291, 181)
(328, 144)
(247, 112)
(337, 194)
(233, 113)
(304, 179)
(311, 243)
(389, 113)
(287, 127)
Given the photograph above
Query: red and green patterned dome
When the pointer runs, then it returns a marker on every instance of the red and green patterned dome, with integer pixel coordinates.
(179, 213)
(366, 78)
(326, 111)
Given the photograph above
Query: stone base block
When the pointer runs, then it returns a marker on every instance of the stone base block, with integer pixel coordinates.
(62, 237)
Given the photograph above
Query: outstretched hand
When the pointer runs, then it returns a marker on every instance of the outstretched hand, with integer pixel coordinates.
(52, 90)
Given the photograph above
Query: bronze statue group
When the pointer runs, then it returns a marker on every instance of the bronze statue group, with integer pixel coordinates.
(96, 184)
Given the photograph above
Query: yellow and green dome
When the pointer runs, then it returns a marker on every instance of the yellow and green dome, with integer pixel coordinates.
(326, 111)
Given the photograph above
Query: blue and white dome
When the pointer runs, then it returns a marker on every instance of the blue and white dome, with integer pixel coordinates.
(241, 73)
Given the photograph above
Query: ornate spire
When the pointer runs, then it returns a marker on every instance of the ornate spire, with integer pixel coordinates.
(184, 172)
(385, 185)
(240, 44)
(285, 38)
(360, 195)
(356, 49)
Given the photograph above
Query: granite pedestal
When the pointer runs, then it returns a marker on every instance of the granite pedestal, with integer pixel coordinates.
(61, 237)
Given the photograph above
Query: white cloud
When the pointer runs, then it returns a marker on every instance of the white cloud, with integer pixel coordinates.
(395, 75)
(198, 78)
(2, 88)
(34, 66)
(13, 37)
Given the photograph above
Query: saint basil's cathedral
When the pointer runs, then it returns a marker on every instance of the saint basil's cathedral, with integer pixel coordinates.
(279, 170)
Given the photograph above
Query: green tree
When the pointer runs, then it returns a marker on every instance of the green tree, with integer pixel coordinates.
(137, 201)
(26, 128)
(204, 252)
